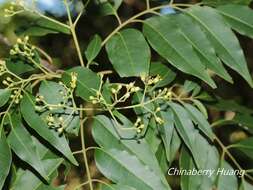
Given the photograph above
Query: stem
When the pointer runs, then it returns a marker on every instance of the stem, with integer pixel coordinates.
(73, 32)
(84, 152)
(45, 54)
(147, 4)
(118, 18)
(51, 19)
(132, 19)
(78, 17)
(231, 157)
(94, 180)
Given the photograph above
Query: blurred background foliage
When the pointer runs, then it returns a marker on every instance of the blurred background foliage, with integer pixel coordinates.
(61, 48)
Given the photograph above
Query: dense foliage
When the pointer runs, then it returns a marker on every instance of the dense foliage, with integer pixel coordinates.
(148, 113)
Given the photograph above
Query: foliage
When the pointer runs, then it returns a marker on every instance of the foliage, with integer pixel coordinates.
(145, 121)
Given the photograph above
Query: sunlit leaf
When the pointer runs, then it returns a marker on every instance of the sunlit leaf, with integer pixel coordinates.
(122, 51)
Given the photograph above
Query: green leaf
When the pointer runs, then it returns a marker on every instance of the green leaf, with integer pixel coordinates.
(4, 96)
(41, 127)
(55, 94)
(222, 38)
(122, 167)
(197, 38)
(227, 182)
(123, 51)
(50, 162)
(5, 159)
(175, 145)
(52, 92)
(201, 107)
(245, 146)
(246, 186)
(19, 67)
(167, 132)
(245, 121)
(239, 18)
(93, 48)
(200, 120)
(187, 163)
(152, 134)
(108, 8)
(140, 111)
(167, 39)
(34, 25)
(167, 75)
(231, 105)
(186, 130)
(117, 187)
(162, 158)
(203, 153)
(210, 163)
(105, 135)
(191, 87)
(222, 2)
(87, 82)
(35, 183)
(20, 142)
(106, 92)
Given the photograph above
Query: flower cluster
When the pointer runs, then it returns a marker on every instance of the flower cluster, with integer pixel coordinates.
(73, 80)
(56, 123)
(42, 104)
(23, 48)
(118, 97)
(15, 8)
(2, 67)
(55, 118)
(165, 94)
(139, 125)
(150, 80)
(97, 99)
(157, 118)
(8, 82)
(129, 89)
(16, 96)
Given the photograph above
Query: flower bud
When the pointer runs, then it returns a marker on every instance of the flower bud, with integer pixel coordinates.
(19, 41)
(114, 91)
(127, 95)
(159, 120)
(158, 109)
